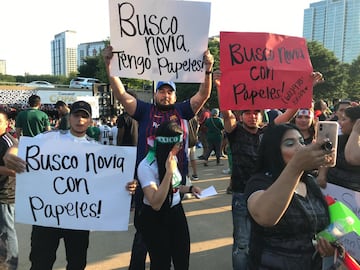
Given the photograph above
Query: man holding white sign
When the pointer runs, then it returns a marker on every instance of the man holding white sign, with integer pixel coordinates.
(156, 40)
(69, 204)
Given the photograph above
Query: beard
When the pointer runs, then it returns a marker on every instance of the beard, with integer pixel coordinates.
(250, 127)
(165, 107)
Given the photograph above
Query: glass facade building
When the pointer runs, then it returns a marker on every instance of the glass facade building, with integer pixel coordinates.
(89, 49)
(335, 24)
(64, 53)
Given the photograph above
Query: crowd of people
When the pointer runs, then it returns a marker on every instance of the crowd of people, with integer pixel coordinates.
(275, 163)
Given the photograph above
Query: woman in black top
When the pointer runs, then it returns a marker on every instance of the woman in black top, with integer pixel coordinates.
(286, 206)
(346, 172)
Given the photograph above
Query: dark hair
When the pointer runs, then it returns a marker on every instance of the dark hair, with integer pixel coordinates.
(317, 104)
(60, 103)
(346, 102)
(166, 129)
(34, 100)
(270, 158)
(353, 113)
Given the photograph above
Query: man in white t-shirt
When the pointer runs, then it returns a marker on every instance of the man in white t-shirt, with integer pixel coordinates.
(106, 135)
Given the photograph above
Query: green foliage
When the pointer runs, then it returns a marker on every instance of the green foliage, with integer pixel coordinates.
(326, 62)
(7, 78)
(186, 90)
(353, 89)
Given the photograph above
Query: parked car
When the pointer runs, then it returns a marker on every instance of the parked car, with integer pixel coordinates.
(81, 82)
(44, 84)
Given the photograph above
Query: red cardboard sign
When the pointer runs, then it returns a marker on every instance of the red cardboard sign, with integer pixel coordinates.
(264, 71)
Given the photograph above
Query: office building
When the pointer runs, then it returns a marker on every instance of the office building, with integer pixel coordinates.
(3, 67)
(90, 49)
(64, 53)
(336, 25)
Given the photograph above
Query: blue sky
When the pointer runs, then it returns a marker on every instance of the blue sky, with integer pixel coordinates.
(27, 27)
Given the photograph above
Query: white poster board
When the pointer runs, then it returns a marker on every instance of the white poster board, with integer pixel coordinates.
(351, 199)
(159, 40)
(74, 185)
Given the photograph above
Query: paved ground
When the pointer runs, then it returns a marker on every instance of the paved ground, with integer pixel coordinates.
(209, 220)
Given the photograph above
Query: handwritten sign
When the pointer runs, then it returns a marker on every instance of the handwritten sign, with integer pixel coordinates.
(74, 185)
(159, 39)
(351, 199)
(264, 71)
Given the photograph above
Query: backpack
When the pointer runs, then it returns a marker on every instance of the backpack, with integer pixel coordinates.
(193, 131)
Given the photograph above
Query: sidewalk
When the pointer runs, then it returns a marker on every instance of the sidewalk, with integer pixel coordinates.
(210, 225)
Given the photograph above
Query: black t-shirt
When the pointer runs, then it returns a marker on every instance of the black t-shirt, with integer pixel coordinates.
(244, 150)
(7, 183)
(128, 127)
(344, 174)
(288, 243)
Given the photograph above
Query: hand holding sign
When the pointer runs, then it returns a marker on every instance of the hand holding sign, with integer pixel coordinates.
(155, 40)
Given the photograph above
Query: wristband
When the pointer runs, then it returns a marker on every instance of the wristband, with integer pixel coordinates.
(208, 72)
(190, 189)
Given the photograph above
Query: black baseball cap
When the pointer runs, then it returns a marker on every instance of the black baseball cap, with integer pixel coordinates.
(81, 106)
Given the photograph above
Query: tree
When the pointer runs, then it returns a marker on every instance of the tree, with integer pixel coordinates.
(187, 90)
(326, 62)
(90, 67)
(354, 80)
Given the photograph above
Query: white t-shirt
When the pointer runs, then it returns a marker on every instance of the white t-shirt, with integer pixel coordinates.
(114, 131)
(105, 134)
(65, 135)
(148, 175)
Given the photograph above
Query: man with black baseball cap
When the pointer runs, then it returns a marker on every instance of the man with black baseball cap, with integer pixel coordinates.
(81, 106)
(45, 240)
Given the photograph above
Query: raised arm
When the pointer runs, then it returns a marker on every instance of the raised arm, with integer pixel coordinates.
(268, 206)
(352, 148)
(228, 116)
(199, 99)
(127, 100)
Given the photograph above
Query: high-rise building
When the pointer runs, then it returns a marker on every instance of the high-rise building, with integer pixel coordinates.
(64, 53)
(3, 67)
(335, 24)
(89, 50)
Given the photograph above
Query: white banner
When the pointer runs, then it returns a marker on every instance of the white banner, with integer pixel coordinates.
(74, 185)
(68, 96)
(159, 40)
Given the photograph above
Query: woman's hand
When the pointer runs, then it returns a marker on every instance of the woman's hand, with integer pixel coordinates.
(324, 248)
(131, 186)
(171, 163)
(312, 157)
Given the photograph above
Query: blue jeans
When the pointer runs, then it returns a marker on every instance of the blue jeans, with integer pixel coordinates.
(9, 252)
(241, 233)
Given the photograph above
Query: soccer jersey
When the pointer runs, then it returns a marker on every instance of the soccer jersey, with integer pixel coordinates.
(149, 118)
(106, 136)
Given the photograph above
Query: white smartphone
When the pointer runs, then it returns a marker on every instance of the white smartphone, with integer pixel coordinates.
(328, 130)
